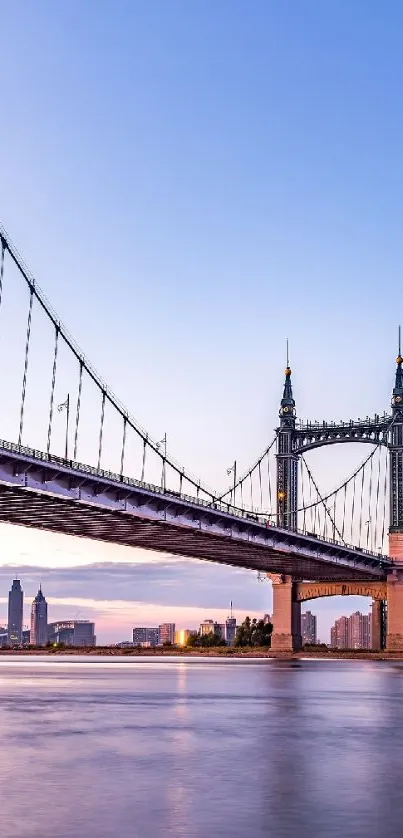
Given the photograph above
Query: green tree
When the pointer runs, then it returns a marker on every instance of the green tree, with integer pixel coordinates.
(192, 640)
(204, 641)
(254, 633)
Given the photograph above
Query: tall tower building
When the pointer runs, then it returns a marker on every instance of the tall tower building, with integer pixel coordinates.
(308, 628)
(287, 460)
(166, 633)
(396, 464)
(39, 620)
(15, 612)
(230, 629)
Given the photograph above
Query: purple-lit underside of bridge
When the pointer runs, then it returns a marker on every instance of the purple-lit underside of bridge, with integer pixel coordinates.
(46, 492)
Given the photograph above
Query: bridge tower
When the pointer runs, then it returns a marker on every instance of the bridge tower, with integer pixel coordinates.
(287, 459)
(395, 445)
(286, 607)
(394, 639)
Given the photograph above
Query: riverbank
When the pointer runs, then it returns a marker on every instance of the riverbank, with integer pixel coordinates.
(215, 652)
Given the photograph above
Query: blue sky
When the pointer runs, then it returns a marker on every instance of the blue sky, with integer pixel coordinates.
(191, 183)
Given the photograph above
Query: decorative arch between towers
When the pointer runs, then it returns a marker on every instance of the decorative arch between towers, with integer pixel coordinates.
(316, 434)
(313, 590)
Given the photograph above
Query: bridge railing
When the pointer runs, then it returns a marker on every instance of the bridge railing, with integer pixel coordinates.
(380, 421)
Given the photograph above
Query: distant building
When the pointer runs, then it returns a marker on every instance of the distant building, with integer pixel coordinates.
(219, 630)
(206, 627)
(72, 632)
(3, 636)
(308, 628)
(351, 632)
(39, 620)
(166, 633)
(125, 644)
(144, 636)
(26, 637)
(15, 612)
(182, 636)
(211, 627)
(339, 634)
(359, 636)
(230, 631)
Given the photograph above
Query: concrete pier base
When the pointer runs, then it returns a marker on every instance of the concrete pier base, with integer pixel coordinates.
(286, 635)
(377, 625)
(394, 636)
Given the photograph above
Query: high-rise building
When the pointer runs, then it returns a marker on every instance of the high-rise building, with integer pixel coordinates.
(144, 636)
(308, 628)
(352, 632)
(72, 632)
(15, 612)
(339, 634)
(359, 631)
(39, 620)
(166, 633)
(230, 631)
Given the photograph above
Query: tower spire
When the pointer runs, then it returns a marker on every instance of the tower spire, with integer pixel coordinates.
(287, 406)
(397, 399)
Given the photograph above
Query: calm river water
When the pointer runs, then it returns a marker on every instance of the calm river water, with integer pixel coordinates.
(200, 749)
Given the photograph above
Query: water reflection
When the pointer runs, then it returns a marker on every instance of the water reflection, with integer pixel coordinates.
(200, 749)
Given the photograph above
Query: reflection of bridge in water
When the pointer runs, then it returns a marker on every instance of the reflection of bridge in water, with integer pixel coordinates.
(273, 518)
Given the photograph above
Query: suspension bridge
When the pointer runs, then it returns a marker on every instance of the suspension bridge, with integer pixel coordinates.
(106, 478)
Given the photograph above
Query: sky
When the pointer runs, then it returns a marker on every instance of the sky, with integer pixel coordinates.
(191, 183)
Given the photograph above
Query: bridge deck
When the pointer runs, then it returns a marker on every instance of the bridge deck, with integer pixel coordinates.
(46, 492)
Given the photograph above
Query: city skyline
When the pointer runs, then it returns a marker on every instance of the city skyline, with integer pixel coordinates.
(115, 618)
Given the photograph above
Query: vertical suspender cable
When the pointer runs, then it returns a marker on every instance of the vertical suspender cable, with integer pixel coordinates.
(122, 456)
(310, 503)
(344, 511)
(269, 480)
(24, 380)
(361, 500)
(101, 429)
(352, 511)
(80, 386)
(180, 482)
(384, 506)
(334, 516)
(260, 486)
(251, 490)
(301, 462)
(240, 485)
(144, 459)
(2, 256)
(316, 511)
(370, 500)
(377, 500)
(52, 389)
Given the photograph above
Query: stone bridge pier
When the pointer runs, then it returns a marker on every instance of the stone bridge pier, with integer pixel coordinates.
(289, 593)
